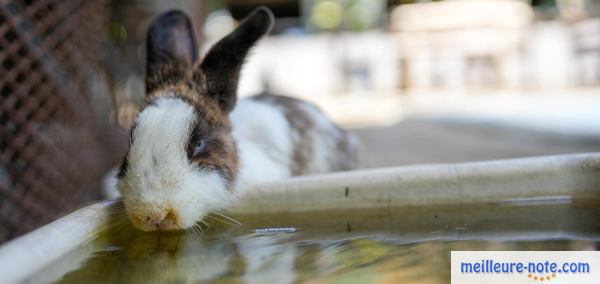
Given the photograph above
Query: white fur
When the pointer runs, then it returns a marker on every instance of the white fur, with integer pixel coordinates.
(261, 132)
(160, 175)
(109, 184)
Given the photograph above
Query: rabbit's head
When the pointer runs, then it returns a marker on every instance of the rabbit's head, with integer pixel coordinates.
(182, 161)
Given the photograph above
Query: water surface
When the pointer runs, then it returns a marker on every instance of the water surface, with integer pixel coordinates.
(409, 245)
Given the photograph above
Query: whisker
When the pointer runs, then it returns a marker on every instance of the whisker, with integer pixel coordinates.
(197, 228)
(224, 221)
(205, 224)
(232, 229)
(227, 217)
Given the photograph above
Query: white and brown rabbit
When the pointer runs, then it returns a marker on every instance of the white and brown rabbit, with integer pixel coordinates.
(193, 148)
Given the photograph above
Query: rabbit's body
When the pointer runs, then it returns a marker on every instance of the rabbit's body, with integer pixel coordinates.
(194, 146)
(279, 137)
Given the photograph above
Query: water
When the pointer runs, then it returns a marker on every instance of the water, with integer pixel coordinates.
(409, 245)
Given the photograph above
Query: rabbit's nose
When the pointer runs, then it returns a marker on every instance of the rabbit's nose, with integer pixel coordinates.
(166, 221)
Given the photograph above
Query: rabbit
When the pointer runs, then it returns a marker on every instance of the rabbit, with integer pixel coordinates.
(194, 147)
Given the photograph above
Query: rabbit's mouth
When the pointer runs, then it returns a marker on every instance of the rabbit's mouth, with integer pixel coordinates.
(181, 208)
(157, 218)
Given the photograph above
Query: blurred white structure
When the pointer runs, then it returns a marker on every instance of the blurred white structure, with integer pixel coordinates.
(587, 45)
(550, 56)
(323, 65)
(455, 45)
(460, 43)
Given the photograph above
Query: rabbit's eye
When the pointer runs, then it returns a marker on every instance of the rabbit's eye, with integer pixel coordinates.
(199, 148)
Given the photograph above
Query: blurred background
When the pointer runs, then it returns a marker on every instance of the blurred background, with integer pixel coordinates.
(417, 81)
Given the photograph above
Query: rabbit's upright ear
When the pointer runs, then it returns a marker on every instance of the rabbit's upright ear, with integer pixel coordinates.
(219, 71)
(171, 50)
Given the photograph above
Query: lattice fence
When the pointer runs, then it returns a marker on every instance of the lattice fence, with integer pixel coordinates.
(54, 146)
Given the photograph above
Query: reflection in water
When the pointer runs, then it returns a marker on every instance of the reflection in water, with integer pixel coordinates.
(268, 259)
(411, 246)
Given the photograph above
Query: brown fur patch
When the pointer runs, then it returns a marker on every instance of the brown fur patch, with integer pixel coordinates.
(193, 95)
(349, 157)
(166, 75)
(220, 153)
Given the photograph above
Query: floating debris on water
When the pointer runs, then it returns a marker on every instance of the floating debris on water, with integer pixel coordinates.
(275, 230)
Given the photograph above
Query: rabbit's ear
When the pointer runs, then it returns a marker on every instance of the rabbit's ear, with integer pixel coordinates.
(172, 50)
(219, 71)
